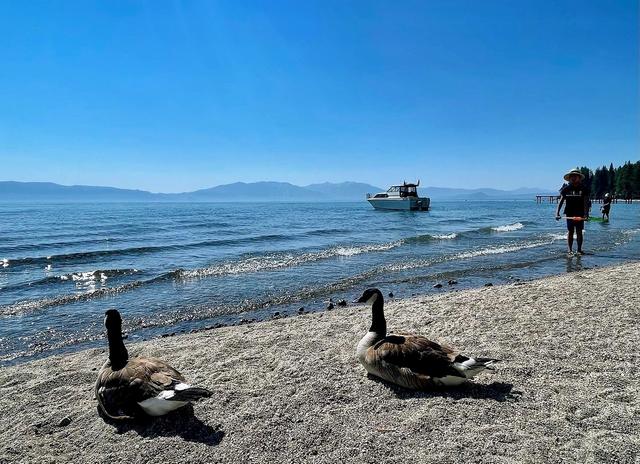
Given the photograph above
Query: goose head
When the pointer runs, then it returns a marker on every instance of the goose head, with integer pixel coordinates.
(373, 297)
(113, 321)
(370, 296)
(118, 354)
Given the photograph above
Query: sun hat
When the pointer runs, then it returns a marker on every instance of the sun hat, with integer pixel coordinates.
(576, 172)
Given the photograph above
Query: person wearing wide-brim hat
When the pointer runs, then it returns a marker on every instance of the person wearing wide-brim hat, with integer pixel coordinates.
(572, 173)
(575, 194)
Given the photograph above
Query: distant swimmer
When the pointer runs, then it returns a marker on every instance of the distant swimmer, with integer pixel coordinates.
(606, 207)
(576, 196)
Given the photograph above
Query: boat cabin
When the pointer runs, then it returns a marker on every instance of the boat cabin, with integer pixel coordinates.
(403, 191)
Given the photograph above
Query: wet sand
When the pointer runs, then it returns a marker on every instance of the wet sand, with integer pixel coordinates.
(291, 390)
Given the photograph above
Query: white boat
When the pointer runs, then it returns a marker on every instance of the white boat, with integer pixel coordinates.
(403, 197)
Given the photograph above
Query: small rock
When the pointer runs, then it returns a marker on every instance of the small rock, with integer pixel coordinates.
(301, 309)
(488, 284)
(438, 285)
(276, 314)
(330, 306)
(452, 282)
(390, 294)
(64, 421)
(342, 303)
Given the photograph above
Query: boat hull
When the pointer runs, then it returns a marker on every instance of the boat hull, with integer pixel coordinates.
(402, 204)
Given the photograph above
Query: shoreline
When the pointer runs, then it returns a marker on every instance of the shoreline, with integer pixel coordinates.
(291, 388)
(282, 311)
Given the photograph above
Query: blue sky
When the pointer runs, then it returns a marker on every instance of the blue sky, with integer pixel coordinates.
(177, 95)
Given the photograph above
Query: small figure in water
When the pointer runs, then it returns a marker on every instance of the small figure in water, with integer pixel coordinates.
(606, 207)
(576, 196)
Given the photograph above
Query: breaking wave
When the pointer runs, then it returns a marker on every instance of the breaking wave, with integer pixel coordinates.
(508, 227)
(247, 265)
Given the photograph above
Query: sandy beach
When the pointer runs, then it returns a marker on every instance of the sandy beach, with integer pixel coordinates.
(291, 390)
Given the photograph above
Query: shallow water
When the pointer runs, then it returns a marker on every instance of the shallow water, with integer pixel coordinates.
(172, 267)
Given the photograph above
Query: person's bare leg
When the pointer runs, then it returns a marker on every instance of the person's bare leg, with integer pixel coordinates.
(570, 240)
(579, 237)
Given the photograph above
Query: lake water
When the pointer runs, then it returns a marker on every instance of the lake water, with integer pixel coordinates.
(173, 267)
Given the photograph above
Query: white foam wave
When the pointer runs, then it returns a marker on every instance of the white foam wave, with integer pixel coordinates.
(557, 236)
(445, 236)
(355, 250)
(85, 276)
(490, 250)
(497, 250)
(508, 227)
(4, 262)
(278, 261)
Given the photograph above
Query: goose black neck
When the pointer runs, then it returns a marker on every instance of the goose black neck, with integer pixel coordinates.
(118, 354)
(378, 322)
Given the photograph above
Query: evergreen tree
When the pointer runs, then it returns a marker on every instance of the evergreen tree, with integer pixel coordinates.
(611, 181)
(620, 182)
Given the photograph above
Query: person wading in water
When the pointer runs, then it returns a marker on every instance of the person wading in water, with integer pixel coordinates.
(576, 196)
(606, 207)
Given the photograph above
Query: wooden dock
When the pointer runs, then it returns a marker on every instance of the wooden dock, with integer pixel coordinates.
(556, 198)
(549, 198)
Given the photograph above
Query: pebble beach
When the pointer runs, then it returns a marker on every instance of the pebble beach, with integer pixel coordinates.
(291, 390)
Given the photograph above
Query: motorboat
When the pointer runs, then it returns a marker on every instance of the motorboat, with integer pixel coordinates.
(400, 197)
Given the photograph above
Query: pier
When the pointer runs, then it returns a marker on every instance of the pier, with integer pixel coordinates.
(549, 198)
(556, 198)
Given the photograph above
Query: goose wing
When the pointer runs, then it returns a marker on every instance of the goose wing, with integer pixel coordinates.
(419, 354)
(119, 391)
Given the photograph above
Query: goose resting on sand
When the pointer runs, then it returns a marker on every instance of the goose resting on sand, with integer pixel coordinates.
(127, 386)
(411, 361)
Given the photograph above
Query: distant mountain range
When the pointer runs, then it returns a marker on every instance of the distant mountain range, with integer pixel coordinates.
(240, 191)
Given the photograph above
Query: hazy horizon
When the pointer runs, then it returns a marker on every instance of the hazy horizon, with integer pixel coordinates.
(176, 96)
(382, 187)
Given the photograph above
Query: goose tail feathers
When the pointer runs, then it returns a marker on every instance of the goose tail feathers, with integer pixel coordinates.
(190, 394)
(470, 367)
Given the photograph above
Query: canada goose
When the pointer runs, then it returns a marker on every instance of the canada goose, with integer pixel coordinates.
(126, 386)
(411, 361)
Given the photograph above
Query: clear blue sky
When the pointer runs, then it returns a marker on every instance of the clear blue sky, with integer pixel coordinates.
(178, 95)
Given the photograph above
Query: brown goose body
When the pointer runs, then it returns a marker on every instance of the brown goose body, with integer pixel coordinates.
(126, 387)
(412, 361)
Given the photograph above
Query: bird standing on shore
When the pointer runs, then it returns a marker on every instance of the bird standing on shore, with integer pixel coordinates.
(127, 386)
(411, 361)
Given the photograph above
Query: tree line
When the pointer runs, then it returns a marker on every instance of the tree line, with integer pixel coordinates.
(621, 182)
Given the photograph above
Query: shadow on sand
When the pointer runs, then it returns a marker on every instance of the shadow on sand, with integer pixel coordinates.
(182, 423)
(497, 391)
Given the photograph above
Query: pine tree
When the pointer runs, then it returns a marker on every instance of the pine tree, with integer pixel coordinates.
(611, 181)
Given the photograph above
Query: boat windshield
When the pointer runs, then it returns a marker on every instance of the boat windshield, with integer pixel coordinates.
(404, 190)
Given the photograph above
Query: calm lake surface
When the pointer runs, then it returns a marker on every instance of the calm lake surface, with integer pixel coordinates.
(172, 267)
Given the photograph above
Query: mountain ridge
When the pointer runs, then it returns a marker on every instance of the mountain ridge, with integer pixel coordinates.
(239, 191)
